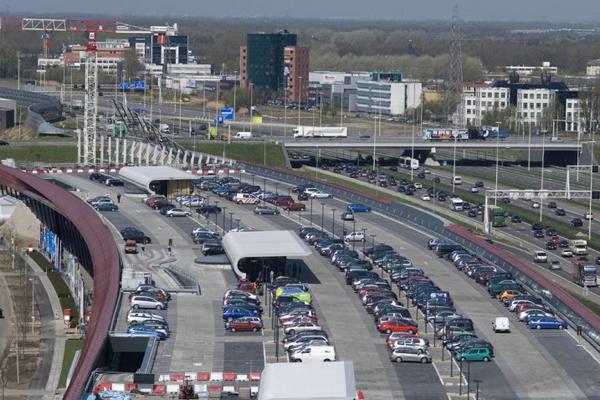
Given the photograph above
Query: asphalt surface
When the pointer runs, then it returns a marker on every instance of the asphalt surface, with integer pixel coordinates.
(527, 365)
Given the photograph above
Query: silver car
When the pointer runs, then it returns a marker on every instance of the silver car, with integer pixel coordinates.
(410, 354)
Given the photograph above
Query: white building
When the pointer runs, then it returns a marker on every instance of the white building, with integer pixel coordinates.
(527, 70)
(573, 115)
(470, 111)
(485, 98)
(593, 68)
(532, 102)
(388, 98)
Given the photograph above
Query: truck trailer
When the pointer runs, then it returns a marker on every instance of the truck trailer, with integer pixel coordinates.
(435, 134)
(585, 275)
(320, 132)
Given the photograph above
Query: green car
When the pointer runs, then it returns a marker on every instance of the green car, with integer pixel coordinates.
(294, 292)
(106, 206)
(474, 354)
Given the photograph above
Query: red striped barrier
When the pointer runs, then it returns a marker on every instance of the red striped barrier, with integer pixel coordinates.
(229, 376)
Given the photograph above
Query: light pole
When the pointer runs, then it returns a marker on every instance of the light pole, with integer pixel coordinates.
(230, 221)
(235, 79)
(333, 223)
(322, 216)
(299, 88)
(311, 211)
(454, 163)
(353, 233)
(251, 108)
(237, 221)
(364, 230)
(32, 305)
(224, 216)
(542, 175)
(216, 214)
(497, 160)
(477, 382)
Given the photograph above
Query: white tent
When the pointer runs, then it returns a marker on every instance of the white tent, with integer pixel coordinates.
(310, 381)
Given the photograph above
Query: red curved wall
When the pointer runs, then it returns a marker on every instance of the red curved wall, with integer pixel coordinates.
(105, 259)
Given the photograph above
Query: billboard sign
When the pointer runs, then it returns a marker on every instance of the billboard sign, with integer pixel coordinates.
(226, 113)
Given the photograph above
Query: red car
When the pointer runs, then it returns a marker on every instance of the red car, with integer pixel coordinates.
(555, 239)
(253, 324)
(527, 306)
(248, 287)
(398, 326)
(282, 201)
(295, 207)
(131, 247)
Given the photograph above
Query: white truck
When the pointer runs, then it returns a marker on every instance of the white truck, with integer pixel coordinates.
(578, 247)
(318, 132)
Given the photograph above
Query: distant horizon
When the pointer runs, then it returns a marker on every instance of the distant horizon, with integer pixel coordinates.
(509, 11)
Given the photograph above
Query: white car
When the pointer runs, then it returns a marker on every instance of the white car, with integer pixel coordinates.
(146, 302)
(231, 292)
(588, 216)
(540, 256)
(136, 317)
(426, 197)
(178, 212)
(310, 191)
(202, 229)
(566, 253)
(474, 189)
(355, 237)
(320, 195)
(535, 204)
(418, 185)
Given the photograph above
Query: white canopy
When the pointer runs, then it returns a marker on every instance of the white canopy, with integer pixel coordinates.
(143, 176)
(257, 244)
(310, 381)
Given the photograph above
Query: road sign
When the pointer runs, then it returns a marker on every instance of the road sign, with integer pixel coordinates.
(218, 120)
(226, 113)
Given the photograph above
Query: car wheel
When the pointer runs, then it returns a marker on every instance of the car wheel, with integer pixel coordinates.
(388, 331)
(229, 319)
(292, 332)
(486, 359)
(232, 329)
(424, 360)
(462, 359)
(420, 351)
(538, 327)
(135, 306)
(398, 359)
(326, 360)
(159, 307)
(297, 360)
(255, 329)
(170, 215)
(561, 327)
(411, 332)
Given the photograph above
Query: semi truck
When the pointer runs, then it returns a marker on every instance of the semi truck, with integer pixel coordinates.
(320, 132)
(493, 132)
(446, 134)
(585, 275)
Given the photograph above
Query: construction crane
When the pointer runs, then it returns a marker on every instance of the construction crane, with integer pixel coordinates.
(86, 150)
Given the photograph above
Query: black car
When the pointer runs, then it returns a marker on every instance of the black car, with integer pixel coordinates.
(552, 204)
(96, 176)
(114, 182)
(537, 226)
(131, 233)
(550, 245)
(563, 244)
(516, 219)
(560, 212)
(576, 222)
(3, 143)
(538, 234)
(472, 213)
(209, 209)
(436, 179)
(551, 232)
(479, 184)
(302, 196)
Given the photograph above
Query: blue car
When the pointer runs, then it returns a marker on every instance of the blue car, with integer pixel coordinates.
(547, 323)
(354, 208)
(142, 330)
(231, 313)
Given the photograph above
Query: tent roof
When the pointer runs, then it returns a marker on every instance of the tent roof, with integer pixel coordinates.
(144, 175)
(310, 381)
(256, 244)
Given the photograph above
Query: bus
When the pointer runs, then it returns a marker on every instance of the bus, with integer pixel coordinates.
(408, 163)
(497, 216)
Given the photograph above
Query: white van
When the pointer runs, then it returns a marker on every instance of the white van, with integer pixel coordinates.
(314, 354)
(243, 135)
(457, 180)
(456, 204)
(246, 198)
(501, 324)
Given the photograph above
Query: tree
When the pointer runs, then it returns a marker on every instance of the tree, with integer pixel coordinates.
(131, 65)
(242, 98)
(496, 117)
(8, 61)
(589, 104)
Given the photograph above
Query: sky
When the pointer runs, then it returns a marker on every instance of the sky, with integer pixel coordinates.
(491, 10)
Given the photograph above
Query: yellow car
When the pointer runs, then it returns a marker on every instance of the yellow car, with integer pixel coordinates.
(294, 292)
(507, 295)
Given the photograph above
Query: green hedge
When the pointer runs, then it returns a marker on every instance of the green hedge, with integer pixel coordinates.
(71, 347)
(60, 286)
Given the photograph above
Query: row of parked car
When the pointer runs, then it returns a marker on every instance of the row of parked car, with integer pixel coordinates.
(500, 284)
(304, 339)
(434, 303)
(146, 323)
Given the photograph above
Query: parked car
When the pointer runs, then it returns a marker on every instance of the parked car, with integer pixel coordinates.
(410, 354)
(231, 313)
(137, 317)
(347, 216)
(474, 354)
(142, 330)
(253, 324)
(314, 354)
(320, 195)
(178, 212)
(398, 326)
(146, 302)
(546, 323)
(355, 237)
(295, 207)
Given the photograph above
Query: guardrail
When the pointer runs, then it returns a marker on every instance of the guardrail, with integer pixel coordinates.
(574, 312)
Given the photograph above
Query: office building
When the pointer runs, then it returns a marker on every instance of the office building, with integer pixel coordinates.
(387, 94)
(593, 68)
(296, 62)
(262, 60)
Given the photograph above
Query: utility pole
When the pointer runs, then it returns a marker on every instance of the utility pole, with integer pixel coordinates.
(454, 84)
(91, 101)
(18, 70)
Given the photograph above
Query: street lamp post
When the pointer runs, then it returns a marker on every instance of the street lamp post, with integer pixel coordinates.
(333, 223)
(353, 233)
(322, 217)
(224, 216)
(237, 221)
(251, 111)
(230, 221)
(364, 230)
(216, 214)
(32, 305)
(477, 382)
(311, 211)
